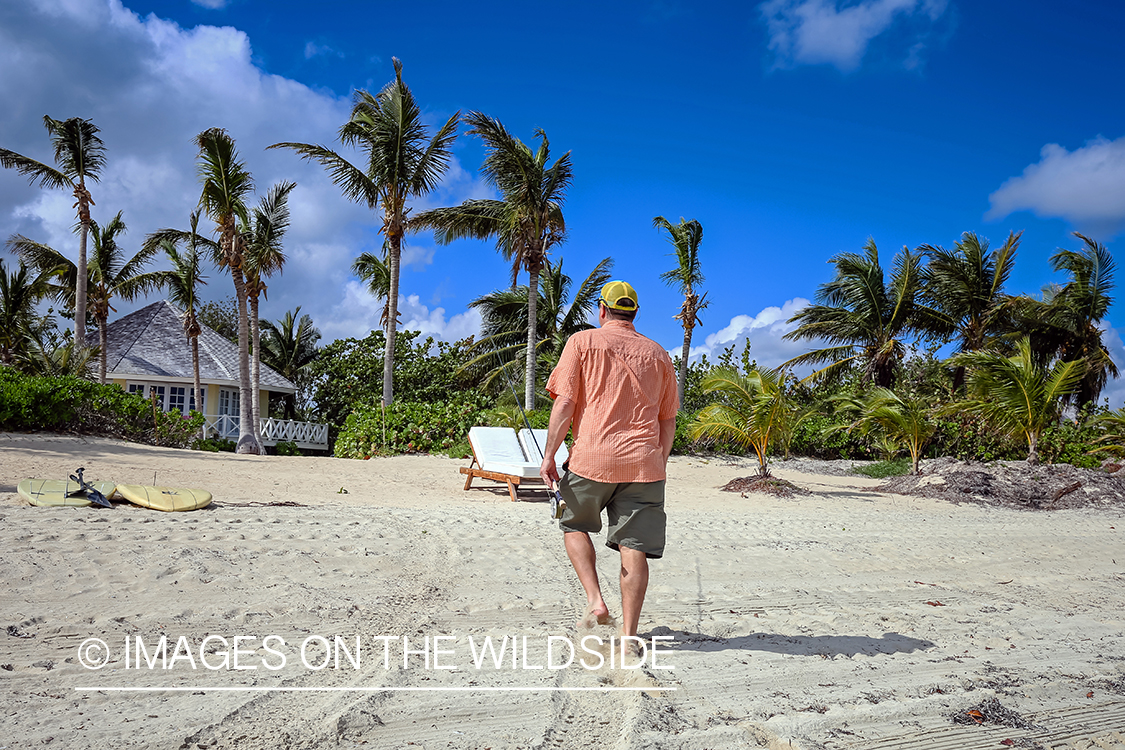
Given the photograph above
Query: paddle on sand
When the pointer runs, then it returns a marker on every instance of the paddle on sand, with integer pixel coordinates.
(92, 493)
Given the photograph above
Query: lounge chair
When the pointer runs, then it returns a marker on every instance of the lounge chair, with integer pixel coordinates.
(497, 455)
(533, 449)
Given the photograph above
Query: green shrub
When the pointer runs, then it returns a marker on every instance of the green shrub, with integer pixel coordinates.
(214, 445)
(809, 439)
(349, 374)
(683, 443)
(288, 448)
(969, 438)
(409, 427)
(895, 467)
(71, 404)
(1070, 443)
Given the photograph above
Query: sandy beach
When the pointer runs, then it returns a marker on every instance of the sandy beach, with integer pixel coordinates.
(845, 618)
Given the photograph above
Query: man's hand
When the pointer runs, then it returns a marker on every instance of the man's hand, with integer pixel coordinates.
(561, 413)
(548, 473)
(667, 437)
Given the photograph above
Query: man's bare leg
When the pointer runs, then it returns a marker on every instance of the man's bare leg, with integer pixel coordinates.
(582, 556)
(634, 583)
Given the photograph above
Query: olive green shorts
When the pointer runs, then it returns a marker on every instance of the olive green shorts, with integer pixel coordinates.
(635, 511)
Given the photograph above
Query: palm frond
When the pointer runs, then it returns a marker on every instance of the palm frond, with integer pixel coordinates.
(79, 150)
(35, 171)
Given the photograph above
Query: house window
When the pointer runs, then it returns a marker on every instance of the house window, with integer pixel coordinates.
(168, 398)
(202, 400)
(177, 398)
(228, 402)
(159, 391)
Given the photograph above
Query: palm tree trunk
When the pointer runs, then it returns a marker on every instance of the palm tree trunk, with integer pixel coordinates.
(195, 376)
(393, 254)
(683, 361)
(102, 341)
(247, 443)
(532, 305)
(256, 371)
(1033, 449)
(80, 282)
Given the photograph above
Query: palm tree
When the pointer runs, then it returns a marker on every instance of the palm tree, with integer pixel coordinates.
(686, 276)
(80, 156)
(504, 318)
(400, 165)
(264, 258)
(526, 222)
(226, 186)
(749, 412)
(1017, 394)
(108, 274)
(900, 420)
(374, 271)
(1113, 437)
(289, 347)
(865, 320)
(52, 355)
(184, 279)
(1067, 323)
(966, 285)
(20, 292)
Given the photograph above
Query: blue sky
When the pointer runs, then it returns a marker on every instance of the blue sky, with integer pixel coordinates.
(792, 130)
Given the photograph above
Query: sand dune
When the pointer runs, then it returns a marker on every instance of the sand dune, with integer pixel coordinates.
(811, 622)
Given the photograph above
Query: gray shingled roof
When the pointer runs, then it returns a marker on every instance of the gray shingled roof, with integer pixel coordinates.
(151, 342)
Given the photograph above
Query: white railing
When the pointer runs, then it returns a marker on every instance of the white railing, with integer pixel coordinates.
(305, 434)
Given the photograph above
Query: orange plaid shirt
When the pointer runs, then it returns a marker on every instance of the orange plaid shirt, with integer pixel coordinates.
(622, 385)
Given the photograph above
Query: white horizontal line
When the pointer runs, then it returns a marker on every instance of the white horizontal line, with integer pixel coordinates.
(371, 689)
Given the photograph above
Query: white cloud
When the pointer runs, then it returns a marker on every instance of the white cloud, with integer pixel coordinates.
(212, 4)
(1083, 186)
(819, 32)
(312, 49)
(417, 257)
(358, 313)
(764, 331)
(418, 317)
(151, 86)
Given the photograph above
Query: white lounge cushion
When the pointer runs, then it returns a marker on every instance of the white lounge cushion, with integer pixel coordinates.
(535, 453)
(498, 449)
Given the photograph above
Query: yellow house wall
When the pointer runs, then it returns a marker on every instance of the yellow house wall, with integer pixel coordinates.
(211, 400)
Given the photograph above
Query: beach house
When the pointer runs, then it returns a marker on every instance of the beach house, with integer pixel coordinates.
(148, 353)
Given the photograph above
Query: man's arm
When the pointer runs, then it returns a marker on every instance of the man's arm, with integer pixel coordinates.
(667, 436)
(561, 414)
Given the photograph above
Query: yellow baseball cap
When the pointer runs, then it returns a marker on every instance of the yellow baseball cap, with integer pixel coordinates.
(620, 296)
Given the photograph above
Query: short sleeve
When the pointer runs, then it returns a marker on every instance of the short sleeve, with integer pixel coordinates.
(566, 378)
(670, 399)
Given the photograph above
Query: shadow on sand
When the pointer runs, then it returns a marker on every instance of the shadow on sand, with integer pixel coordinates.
(796, 645)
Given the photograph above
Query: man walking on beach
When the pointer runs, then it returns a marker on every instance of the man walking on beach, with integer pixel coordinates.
(618, 390)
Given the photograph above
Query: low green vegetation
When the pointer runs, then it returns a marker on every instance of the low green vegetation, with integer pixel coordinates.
(894, 467)
(408, 427)
(71, 404)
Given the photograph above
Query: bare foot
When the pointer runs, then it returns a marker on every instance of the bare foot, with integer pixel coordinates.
(631, 647)
(595, 614)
